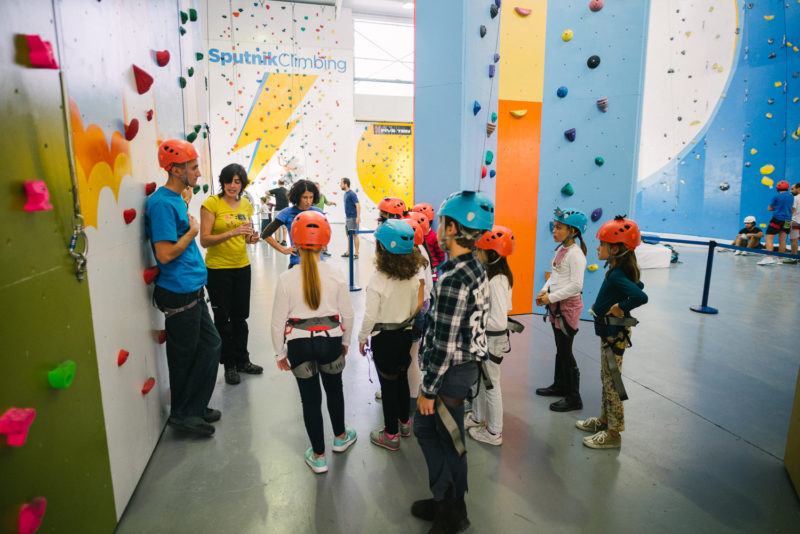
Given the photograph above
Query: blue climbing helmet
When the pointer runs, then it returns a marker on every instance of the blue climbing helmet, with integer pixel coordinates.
(575, 218)
(396, 236)
(470, 209)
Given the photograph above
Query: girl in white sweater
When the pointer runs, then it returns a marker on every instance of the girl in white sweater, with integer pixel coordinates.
(312, 318)
(562, 296)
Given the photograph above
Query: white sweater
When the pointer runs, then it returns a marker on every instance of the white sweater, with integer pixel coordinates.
(425, 273)
(566, 279)
(499, 303)
(289, 303)
(388, 301)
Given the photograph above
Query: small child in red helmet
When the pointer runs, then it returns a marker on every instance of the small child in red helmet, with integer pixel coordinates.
(620, 293)
(781, 222)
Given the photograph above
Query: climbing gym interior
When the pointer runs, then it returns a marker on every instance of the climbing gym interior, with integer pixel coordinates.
(681, 115)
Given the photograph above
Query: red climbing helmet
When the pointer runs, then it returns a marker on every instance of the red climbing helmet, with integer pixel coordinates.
(174, 151)
(620, 230)
(417, 230)
(310, 229)
(422, 219)
(500, 239)
(393, 205)
(425, 209)
(783, 185)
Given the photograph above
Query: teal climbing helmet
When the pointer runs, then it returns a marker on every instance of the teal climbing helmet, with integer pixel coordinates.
(575, 218)
(470, 209)
(396, 236)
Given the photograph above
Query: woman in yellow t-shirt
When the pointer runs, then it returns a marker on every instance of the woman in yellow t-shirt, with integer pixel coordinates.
(225, 229)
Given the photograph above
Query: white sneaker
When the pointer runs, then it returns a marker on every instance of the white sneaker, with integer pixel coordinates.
(743, 253)
(769, 260)
(482, 434)
(737, 252)
(379, 394)
(469, 422)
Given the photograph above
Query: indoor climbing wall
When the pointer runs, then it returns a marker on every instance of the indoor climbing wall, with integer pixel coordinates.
(135, 77)
(721, 114)
(281, 92)
(591, 104)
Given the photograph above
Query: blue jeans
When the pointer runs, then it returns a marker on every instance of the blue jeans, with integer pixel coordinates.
(446, 470)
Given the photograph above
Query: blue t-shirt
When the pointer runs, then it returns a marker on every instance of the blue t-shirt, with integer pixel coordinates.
(166, 219)
(783, 202)
(350, 201)
(286, 216)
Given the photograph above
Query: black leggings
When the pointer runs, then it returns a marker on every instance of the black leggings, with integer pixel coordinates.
(322, 350)
(391, 352)
(566, 375)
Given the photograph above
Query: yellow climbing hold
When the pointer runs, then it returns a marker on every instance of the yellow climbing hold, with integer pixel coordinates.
(796, 49)
(710, 9)
(694, 123)
(795, 136)
(715, 65)
(567, 35)
(778, 84)
(767, 181)
(720, 69)
(518, 113)
(767, 169)
(762, 225)
(688, 34)
(592, 267)
(795, 99)
(698, 156)
(768, 115)
(753, 151)
(769, 17)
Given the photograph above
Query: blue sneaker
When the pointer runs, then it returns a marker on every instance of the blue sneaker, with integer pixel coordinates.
(318, 465)
(342, 444)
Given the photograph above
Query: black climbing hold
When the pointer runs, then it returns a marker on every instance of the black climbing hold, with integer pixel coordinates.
(671, 71)
(483, 30)
(493, 10)
(593, 62)
(724, 186)
(771, 56)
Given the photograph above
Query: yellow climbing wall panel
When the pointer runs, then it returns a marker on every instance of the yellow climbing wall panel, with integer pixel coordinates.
(385, 161)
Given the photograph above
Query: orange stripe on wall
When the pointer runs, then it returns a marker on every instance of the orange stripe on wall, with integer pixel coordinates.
(517, 192)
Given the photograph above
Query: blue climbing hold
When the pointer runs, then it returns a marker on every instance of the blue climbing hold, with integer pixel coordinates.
(476, 107)
(596, 214)
(496, 58)
(562, 92)
(492, 173)
(570, 134)
(491, 71)
(497, 3)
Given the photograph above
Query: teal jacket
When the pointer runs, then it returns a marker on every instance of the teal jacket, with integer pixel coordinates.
(616, 288)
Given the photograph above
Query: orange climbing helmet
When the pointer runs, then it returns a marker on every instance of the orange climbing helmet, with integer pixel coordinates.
(414, 224)
(620, 230)
(783, 185)
(422, 219)
(174, 151)
(310, 229)
(425, 209)
(500, 239)
(393, 205)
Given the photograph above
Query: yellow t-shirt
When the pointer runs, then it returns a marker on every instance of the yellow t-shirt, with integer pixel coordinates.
(230, 254)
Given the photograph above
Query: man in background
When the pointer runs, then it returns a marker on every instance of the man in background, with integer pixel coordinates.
(281, 195)
(352, 214)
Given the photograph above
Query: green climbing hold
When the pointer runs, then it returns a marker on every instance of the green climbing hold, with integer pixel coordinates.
(568, 190)
(205, 135)
(61, 377)
(184, 17)
(494, 116)
(198, 56)
(599, 161)
(190, 72)
(183, 30)
(182, 81)
(197, 128)
(196, 189)
(302, 29)
(193, 15)
(205, 188)
(191, 137)
(489, 157)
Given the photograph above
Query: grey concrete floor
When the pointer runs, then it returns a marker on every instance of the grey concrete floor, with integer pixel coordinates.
(710, 398)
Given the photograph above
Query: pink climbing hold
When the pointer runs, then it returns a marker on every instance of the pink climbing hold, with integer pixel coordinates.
(38, 196)
(31, 515)
(129, 215)
(596, 5)
(162, 58)
(131, 129)
(122, 357)
(149, 188)
(15, 423)
(143, 80)
(40, 53)
(148, 385)
(522, 12)
(483, 171)
(150, 274)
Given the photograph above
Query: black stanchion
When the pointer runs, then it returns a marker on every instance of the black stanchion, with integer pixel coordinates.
(704, 307)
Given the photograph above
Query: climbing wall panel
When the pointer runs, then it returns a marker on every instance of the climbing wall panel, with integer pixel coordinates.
(384, 165)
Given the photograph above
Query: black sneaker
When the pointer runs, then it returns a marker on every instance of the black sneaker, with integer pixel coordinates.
(232, 376)
(250, 368)
(550, 391)
(424, 509)
(567, 405)
(211, 415)
(191, 425)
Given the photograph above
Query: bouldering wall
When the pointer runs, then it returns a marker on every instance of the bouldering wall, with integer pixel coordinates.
(721, 114)
(281, 92)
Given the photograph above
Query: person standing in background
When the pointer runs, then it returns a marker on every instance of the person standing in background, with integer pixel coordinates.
(352, 214)
(281, 195)
(323, 200)
(264, 213)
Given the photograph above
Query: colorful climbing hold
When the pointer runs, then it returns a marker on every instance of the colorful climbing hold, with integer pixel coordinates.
(491, 71)
(778, 84)
(592, 268)
(493, 10)
(768, 169)
(122, 357)
(191, 137)
(61, 377)
(768, 115)
(196, 189)
(599, 161)
(483, 171)
(522, 12)
(570, 134)
(197, 128)
(143, 80)
(162, 58)
(129, 215)
(198, 56)
(150, 274)
(476, 107)
(31, 515)
(724, 186)
(769, 17)
(483, 30)
(14, 423)
(182, 30)
(596, 214)
(518, 113)
(190, 71)
(182, 82)
(602, 104)
(767, 181)
(148, 385)
(38, 196)
(493, 117)
(496, 57)
(193, 15)
(205, 188)
(593, 62)
(149, 114)
(568, 189)
(162, 337)
(149, 188)
(596, 5)
(489, 157)
(184, 17)
(490, 128)
(131, 129)
(40, 53)
(562, 91)
(566, 35)
(492, 173)
(753, 151)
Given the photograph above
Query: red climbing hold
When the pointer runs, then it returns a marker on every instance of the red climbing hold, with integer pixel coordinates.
(150, 274)
(162, 337)
(15, 423)
(131, 130)
(596, 5)
(483, 171)
(143, 80)
(40, 52)
(31, 515)
(149, 188)
(162, 58)
(129, 215)
(148, 385)
(38, 196)
(149, 114)
(122, 357)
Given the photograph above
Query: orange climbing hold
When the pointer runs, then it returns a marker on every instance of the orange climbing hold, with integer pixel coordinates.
(150, 274)
(122, 357)
(131, 130)
(143, 80)
(148, 385)
(129, 215)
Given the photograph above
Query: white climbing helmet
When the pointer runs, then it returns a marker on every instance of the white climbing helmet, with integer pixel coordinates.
(749, 219)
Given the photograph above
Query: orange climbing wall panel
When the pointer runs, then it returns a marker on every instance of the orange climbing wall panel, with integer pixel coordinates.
(517, 191)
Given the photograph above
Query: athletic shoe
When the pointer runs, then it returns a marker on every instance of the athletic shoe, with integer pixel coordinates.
(318, 465)
(769, 260)
(789, 261)
(191, 425)
(404, 428)
(250, 368)
(603, 440)
(380, 438)
(283, 243)
(592, 424)
(232, 376)
(355, 256)
(743, 253)
(469, 422)
(482, 434)
(726, 250)
(735, 252)
(211, 415)
(378, 395)
(346, 254)
(342, 444)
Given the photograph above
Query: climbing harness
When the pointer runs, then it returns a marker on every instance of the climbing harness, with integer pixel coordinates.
(613, 346)
(169, 312)
(441, 404)
(312, 324)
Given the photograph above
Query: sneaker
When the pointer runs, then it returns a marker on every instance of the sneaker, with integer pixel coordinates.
(735, 252)
(379, 394)
(342, 444)
(211, 415)
(380, 438)
(769, 260)
(603, 440)
(469, 422)
(346, 254)
(250, 368)
(593, 425)
(404, 428)
(789, 261)
(318, 465)
(191, 425)
(482, 434)
(743, 253)
(283, 243)
(355, 256)
(232, 376)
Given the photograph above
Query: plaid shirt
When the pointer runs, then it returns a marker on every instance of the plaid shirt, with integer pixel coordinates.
(455, 329)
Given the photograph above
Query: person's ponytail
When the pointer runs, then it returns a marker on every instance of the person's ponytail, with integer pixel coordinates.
(583, 245)
(312, 286)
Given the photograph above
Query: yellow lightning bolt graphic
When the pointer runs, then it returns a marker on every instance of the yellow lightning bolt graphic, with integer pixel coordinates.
(268, 123)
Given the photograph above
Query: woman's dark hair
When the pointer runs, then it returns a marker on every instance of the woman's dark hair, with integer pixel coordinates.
(300, 187)
(226, 177)
(496, 264)
(398, 266)
(626, 262)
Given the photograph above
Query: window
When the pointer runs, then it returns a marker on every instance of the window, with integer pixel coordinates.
(384, 58)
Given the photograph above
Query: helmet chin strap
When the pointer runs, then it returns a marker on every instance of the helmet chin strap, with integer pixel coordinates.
(499, 257)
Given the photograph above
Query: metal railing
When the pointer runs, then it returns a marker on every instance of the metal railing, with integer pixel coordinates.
(350, 234)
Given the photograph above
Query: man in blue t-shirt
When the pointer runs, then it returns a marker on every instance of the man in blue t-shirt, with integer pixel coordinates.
(193, 344)
(303, 195)
(781, 222)
(352, 214)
